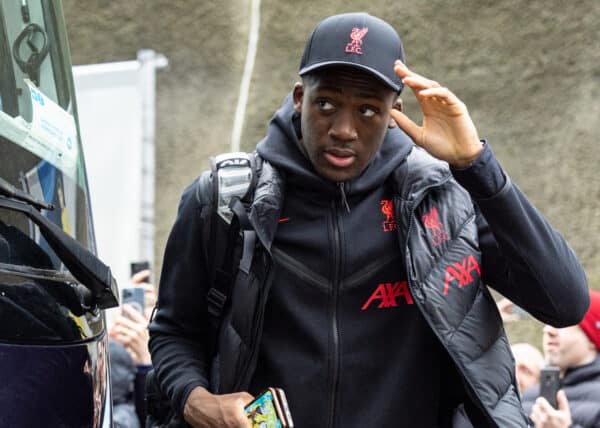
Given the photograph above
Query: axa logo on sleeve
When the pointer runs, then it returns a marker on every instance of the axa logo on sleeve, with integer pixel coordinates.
(461, 273)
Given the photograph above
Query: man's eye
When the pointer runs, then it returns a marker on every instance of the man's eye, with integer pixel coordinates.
(367, 111)
(325, 105)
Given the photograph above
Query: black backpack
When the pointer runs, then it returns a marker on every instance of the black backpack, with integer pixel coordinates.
(226, 193)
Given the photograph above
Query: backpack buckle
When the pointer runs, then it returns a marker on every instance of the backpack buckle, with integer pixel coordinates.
(216, 302)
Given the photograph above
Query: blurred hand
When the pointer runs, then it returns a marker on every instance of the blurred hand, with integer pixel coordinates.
(506, 307)
(544, 415)
(140, 279)
(130, 329)
(447, 133)
(205, 410)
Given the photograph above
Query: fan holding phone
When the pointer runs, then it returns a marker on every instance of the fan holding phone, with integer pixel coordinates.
(569, 391)
(130, 328)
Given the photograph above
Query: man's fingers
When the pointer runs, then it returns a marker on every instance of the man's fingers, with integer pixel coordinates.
(411, 128)
(442, 95)
(414, 80)
(242, 399)
(419, 83)
(245, 397)
(561, 400)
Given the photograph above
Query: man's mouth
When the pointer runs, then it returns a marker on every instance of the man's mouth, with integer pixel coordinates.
(340, 158)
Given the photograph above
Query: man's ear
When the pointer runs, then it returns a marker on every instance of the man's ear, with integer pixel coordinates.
(398, 106)
(298, 94)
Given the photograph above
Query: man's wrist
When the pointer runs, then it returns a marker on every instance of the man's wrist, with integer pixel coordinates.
(484, 177)
(196, 395)
(468, 160)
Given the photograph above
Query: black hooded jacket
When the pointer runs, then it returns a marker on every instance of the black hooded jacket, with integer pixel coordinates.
(366, 301)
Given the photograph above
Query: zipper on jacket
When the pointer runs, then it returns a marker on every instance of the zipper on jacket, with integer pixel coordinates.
(341, 187)
(414, 287)
(337, 273)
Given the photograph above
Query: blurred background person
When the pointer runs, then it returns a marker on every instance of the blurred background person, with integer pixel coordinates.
(511, 312)
(528, 363)
(123, 373)
(129, 355)
(574, 350)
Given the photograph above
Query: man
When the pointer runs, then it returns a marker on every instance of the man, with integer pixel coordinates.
(528, 363)
(365, 299)
(574, 350)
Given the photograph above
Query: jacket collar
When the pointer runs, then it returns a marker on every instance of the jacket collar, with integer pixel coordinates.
(420, 172)
(267, 205)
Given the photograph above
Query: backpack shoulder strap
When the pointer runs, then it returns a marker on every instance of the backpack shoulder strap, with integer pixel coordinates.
(227, 193)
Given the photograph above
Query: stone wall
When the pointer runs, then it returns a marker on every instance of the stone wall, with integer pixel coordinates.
(528, 70)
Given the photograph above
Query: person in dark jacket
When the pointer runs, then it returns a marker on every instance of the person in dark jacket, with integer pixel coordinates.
(574, 350)
(366, 298)
(122, 372)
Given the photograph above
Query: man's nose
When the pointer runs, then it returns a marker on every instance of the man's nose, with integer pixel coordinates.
(343, 128)
(549, 330)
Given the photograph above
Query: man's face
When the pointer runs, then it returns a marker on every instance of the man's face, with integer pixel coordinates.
(344, 117)
(567, 347)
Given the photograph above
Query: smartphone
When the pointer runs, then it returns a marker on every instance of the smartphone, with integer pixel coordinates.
(550, 384)
(133, 296)
(139, 266)
(268, 410)
(284, 406)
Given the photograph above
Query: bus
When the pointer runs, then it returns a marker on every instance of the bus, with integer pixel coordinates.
(53, 289)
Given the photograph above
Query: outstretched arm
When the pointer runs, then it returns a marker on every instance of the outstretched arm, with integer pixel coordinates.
(523, 256)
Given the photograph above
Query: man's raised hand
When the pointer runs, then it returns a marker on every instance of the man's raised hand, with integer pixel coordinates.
(447, 132)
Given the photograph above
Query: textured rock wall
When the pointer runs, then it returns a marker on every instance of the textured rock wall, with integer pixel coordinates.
(528, 70)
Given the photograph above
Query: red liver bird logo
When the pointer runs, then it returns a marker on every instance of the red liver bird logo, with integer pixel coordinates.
(431, 220)
(356, 35)
(387, 208)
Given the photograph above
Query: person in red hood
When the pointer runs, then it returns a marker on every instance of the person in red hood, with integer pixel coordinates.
(574, 350)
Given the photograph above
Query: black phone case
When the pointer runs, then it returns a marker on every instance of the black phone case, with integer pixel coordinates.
(549, 384)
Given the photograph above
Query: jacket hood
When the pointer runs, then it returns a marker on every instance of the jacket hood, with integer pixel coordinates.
(281, 147)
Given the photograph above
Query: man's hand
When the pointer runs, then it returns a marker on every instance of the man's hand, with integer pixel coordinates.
(206, 410)
(447, 133)
(544, 415)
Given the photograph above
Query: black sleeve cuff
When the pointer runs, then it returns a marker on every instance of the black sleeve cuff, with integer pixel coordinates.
(484, 177)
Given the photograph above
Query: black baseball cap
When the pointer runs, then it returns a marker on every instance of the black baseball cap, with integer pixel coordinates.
(357, 40)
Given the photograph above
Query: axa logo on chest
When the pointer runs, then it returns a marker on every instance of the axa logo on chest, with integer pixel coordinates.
(387, 293)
